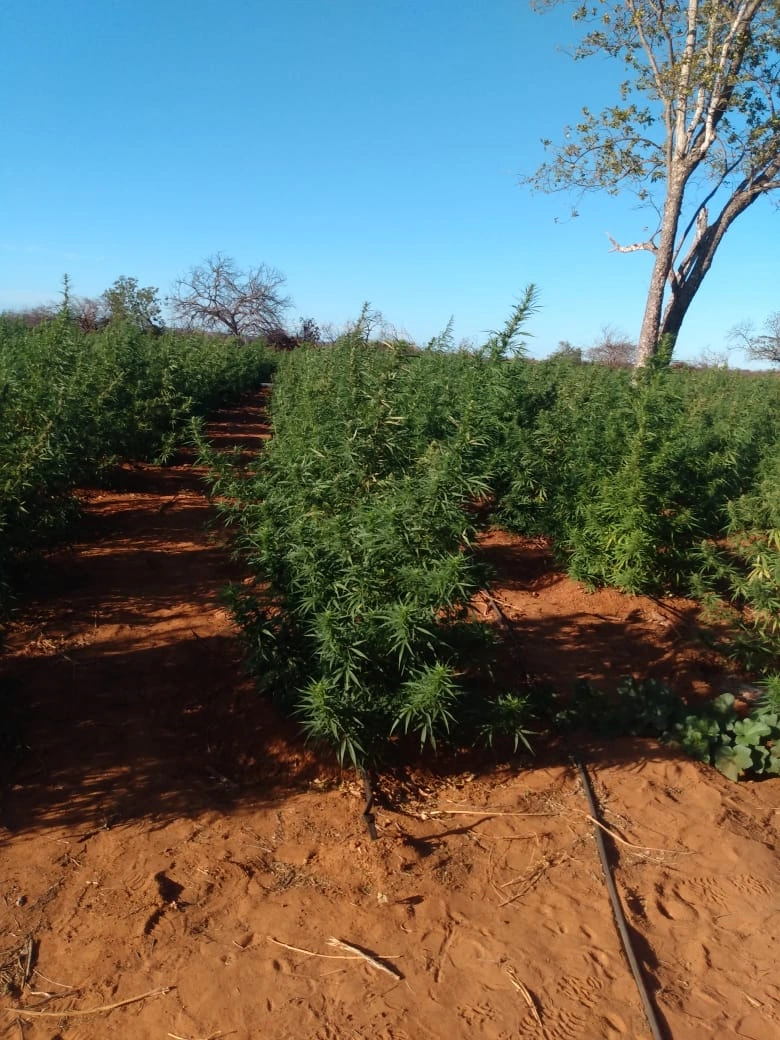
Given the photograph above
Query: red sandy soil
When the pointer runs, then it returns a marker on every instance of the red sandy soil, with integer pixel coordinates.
(165, 836)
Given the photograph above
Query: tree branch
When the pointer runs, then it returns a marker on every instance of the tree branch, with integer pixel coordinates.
(650, 246)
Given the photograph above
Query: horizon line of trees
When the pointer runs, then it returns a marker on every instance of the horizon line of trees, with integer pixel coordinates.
(218, 297)
(614, 349)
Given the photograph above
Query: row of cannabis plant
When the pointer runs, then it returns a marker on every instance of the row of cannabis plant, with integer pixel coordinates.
(359, 521)
(663, 482)
(71, 401)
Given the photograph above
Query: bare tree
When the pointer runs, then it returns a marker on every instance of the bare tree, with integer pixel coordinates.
(613, 349)
(218, 296)
(370, 321)
(761, 346)
(694, 133)
(30, 316)
(711, 357)
(83, 310)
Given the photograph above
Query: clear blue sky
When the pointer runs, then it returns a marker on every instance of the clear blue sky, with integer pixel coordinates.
(369, 149)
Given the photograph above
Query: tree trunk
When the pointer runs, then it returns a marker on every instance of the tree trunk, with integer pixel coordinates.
(651, 323)
(650, 333)
(676, 310)
(699, 260)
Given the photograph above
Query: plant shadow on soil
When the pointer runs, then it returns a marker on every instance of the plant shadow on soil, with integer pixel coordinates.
(562, 632)
(131, 732)
(122, 694)
(116, 729)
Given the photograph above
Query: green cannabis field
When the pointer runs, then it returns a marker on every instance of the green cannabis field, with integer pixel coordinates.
(360, 524)
(72, 402)
(360, 521)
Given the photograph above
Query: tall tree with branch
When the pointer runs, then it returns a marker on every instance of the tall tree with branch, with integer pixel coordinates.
(695, 134)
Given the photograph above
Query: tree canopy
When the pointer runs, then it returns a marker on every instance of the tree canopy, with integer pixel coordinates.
(126, 300)
(219, 296)
(694, 132)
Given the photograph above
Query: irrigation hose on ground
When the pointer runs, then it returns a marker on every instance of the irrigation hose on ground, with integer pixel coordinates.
(368, 810)
(614, 898)
(617, 908)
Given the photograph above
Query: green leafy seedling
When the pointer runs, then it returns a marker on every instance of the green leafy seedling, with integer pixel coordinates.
(731, 761)
(750, 732)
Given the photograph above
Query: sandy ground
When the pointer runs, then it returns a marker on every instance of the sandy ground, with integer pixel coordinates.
(174, 863)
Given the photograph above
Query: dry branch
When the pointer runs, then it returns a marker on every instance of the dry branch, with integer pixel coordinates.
(523, 990)
(30, 1013)
(630, 844)
(488, 812)
(355, 953)
(52, 982)
(536, 875)
(211, 1036)
(311, 953)
(367, 957)
(445, 946)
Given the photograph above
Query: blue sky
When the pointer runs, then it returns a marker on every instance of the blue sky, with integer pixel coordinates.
(369, 149)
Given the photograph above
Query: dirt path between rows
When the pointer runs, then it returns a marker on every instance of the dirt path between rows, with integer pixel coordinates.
(165, 836)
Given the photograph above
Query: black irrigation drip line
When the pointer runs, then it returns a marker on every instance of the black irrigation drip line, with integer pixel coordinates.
(617, 908)
(368, 814)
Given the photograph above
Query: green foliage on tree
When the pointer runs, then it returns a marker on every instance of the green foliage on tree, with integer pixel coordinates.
(694, 133)
(126, 301)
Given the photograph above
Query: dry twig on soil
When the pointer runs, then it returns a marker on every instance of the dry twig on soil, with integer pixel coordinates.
(311, 953)
(52, 982)
(523, 990)
(630, 844)
(445, 946)
(355, 953)
(367, 957)
(537, 874)
(211, 1036)
(15, 971)
(32, 1013)
(486, 812)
